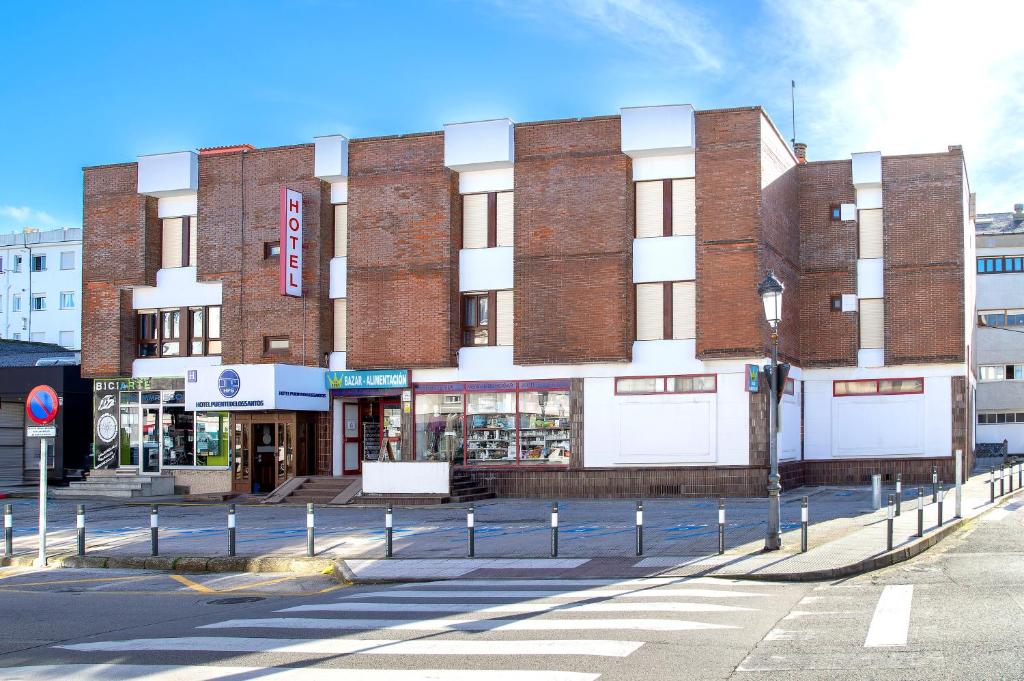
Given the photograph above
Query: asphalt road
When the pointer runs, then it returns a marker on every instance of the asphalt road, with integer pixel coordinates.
(955, 612)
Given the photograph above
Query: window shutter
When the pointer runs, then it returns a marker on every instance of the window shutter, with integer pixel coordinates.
(171, 251)
(504, 316)
(193, 241)
(872, 326)
(870, 225)
(649, 209)
(341, 230)
(506, 233)
(684, 207)
(474, 221)
(650, 311)
(684, 309)
(340, 323)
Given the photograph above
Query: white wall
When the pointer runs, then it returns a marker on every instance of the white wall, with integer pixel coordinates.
(789, 418)
(339, 277)
(406, 477)
(485, 269)
(170, 174)
(479, 144)
(170, 366)
(50, 282)
(1013, 433)
(176, 287)
(664, 258)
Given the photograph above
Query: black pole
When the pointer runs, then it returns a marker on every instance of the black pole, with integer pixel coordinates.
(1009, 475)
(471, 529)
(899, 493)
(1020, 476)
(554, 530)
(80, 523)
(231, 530)
(920, 511)
(935, 483)
(310, 529)
(8, 530)
(1002, 480)
(890, 513)
(942, 493)
(803, 525)
(721, 526)
(388, 526)
(154, 530)
(639, 528)
(991, 486)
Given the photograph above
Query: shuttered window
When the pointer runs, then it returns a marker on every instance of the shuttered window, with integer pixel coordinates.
(870, 226)
(684, 207)
(650, 209)
(505, 219)
(474, 221)
(340, 324)
(193, 242)
(170, 254)
(684, 310)
(872, 326)
(504, 317)
(650, 311)
(341, 230)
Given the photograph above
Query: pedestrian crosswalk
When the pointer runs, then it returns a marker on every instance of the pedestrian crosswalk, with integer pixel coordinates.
(501, 630)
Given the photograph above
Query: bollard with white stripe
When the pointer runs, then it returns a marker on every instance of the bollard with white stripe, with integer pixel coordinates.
(991, 485)
(471, 530)
(1020, 476)
(389, 523)
(803, 525)
(942, 495)
(920, 511)
(80, 524)
(554, 530)
(721, 526)
(639, 528)
(154, 530)
(231, 530)
(310, 530)
(1002, 479)
(1009, 477)
(890, 512)
(8, 530)
(899, 493)
(935, 483)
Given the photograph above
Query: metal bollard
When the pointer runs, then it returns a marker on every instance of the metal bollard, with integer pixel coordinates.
(991, 485)
(1020, 476)
(1009, 476)
(889, 513)
(639, 528)
(231, 530)
(920, 511)
(8, 530)
(154, 530)
(942, 494)
(899, 493)
(310, 531)
(1002, 480)
(876, 491)
(389, 525)
(80, 524)
(471, 530)
(554, 530)
(803, 525)
(935, 483)
(721, 526)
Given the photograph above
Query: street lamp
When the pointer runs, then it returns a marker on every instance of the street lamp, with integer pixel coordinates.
(770, 289)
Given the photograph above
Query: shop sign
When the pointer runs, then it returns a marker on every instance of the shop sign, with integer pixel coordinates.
(753, 378)
(104, 385)
(105, 422)
(254, 387)
(371, 379)
(291, 243)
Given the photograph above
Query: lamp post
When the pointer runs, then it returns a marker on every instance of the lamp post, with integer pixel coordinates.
(770, 289)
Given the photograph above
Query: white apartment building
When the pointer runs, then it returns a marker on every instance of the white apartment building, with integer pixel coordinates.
(41, 286)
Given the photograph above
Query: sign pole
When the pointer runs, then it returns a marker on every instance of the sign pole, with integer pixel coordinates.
(41, 408)
(41, 560)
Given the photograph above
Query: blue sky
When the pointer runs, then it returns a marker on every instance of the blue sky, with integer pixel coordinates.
(102, 82)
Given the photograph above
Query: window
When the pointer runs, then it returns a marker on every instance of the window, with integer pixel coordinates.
(341, 230)
(666, 310)
(67, 300)
(790, 388)
(476, 320)
(1001, 264)
(271, 249)
(835, 211)
(173, 332)
(67, 260)
(170, 333)
(38, 303)
(869, 226)
(275, 344)
(213, 342)
(340, 324)
(17, 264)
(1001, 417)
(16, 303)
(991, 373)
(887, 386)
(1002, 318)
(38, 263)
(657, 385)
(487, 220)
(67, 339)
(180, 242)
(16, 336)
(665, 208)
(38, 336)
(1000, 372)
(872, 324)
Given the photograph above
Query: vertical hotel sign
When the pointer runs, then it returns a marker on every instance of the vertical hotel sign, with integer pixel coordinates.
(291, 243)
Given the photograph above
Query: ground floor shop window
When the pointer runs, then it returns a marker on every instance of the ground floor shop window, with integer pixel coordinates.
(439, 427)
(157, 431)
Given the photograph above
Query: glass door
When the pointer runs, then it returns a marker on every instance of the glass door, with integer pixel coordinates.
(351, 462)
(391, 430)
(264, 473)
(151, 439)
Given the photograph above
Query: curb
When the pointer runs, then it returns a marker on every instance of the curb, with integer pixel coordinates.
(194, 564)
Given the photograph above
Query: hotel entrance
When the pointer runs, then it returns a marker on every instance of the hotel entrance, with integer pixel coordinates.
(271, 447)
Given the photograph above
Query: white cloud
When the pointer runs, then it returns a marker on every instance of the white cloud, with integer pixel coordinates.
(23, 216)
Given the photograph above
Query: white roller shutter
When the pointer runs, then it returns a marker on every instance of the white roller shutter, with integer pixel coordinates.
(341, 230)
(684, 309)
(340, 324)
(193, 241)
(870, 225)
(506, 219)
(170, 254)
(649, 209)
(504, 317)
(650, 311)
(474, 221)
(872, 323)
(684, 207)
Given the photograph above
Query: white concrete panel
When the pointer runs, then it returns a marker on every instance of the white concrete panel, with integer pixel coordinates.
(170, 366)
(869, 197)
(494, 361)
(817, 419)
(789, 418)
(870, 278)
(1013, 433)
(479, 144)
(897, 425)
(1000, 292)
(339, 191)
(337, 428)
(657, 130)
(330, 157)
(938, 394)
(667, 167)
(847, 212)
(177, 206)
(408, 477)
(485, 269)
(867, 169)
(339, 277)
(871, 357)
(665, 258)
(849, 302)
(176, 287)
(490, 180)
(336, 361)
(665, 430)
(733, 412)
(169, 174)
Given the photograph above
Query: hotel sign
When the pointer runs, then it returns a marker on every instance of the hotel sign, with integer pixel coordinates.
(368, 380)
(291, 243)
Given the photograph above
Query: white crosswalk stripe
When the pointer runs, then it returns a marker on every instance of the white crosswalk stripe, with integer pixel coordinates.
(137, 672)
(462, 624)
(577, 595)
(522, 608)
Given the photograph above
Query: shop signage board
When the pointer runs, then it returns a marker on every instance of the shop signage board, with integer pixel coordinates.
(367, 380)
(753, 378)
(291, 243)
(255, 387)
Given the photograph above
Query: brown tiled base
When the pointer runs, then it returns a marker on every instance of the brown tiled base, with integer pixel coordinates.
(916, 471)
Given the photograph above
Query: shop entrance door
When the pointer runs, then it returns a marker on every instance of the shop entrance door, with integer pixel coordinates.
(264, 447)
(150, 440)
(351, 460)
(391, 430)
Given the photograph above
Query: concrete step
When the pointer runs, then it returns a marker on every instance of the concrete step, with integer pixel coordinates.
(67, 493)
(98, 486)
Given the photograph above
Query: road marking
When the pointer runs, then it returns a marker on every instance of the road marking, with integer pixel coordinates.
(79, 581)
(343, 646)
(134, 672)
(799, 614)
(195, 586)
(464, 625)
(583, 582)
(484, 608)
(890, 624)
(582, 594)
(254, 585)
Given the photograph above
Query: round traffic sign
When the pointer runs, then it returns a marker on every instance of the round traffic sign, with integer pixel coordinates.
(41, 405)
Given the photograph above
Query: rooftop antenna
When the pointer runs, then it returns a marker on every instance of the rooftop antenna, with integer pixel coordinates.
(792, 103)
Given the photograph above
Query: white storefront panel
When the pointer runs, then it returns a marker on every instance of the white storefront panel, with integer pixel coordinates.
(255, 387)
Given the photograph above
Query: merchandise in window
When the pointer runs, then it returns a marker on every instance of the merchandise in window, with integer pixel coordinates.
(157, 431)
(544, 427)
(491, 428)
(439, 427)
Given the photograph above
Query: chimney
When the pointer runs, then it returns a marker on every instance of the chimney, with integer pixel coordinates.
(800, 150)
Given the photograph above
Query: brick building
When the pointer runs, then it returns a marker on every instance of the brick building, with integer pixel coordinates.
(560, 308)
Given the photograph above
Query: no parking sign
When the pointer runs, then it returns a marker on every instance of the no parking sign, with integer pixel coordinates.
(41, 405)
